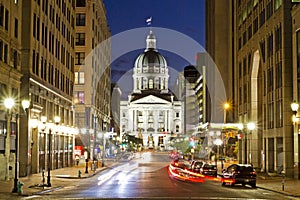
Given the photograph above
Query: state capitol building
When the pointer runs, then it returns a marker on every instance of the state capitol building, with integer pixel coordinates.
(151, 113)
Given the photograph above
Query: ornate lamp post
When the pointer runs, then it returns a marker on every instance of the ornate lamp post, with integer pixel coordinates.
(50, 125)
(295, 107)
(226, 107)
(25, 105)
(8, 103)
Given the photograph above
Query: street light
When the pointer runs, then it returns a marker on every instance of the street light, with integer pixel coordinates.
(295, 107)
(218, 142)
(25, 105)
(50, 124)
(250, 126)
(226, 106)
(8, 103)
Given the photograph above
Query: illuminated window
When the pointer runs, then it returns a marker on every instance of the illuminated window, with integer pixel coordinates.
(79, 97)
(79, 78)
(277, 4)
(151, 84)
(255, 2)
(162, 84)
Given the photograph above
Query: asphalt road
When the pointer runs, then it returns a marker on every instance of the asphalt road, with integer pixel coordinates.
(147, 178)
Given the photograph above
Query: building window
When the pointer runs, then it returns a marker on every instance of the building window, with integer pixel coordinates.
(5, 53)
(249, 62)
(16, 28)
(6, 19)
(278, 39)
(279, 113)
(240, 95)
(15, 59)
(162, 84)
(271, 115)
(79, 58)
(269, 9)
(38, 29)
(80, 3)
(279, 75)
(270, 45)
(1, 15)
(79, 78)
(263, 50)
(270, 80)
(244, 38)
(277, 4)
(80, 39)
(150, 83)
(244, 13)
(80, 19)
(250, 32)
(79, 97)
(255, 25)
(255, 2)
(262, 17)
(177, 114)
(245, 93)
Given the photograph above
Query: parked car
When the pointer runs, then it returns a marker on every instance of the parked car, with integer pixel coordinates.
(208, 169)
(196, 165)
(239, 174)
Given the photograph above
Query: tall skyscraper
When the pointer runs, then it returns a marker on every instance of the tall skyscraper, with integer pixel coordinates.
(259, 40)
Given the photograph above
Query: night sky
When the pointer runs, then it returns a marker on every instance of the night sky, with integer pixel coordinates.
(184, 16)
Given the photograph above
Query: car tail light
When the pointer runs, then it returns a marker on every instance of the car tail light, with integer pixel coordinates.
(253, 173)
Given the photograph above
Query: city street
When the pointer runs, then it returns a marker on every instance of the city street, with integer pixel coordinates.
(146, 176)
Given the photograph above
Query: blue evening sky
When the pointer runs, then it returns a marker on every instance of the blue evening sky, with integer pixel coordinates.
(184, 16)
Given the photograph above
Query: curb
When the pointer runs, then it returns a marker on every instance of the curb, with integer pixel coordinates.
(82, 177)
(279, 192)
(48, 190)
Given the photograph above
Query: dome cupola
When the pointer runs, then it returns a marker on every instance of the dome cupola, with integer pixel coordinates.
(150, 68)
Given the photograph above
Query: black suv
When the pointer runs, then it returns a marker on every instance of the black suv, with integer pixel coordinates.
(208, 169)
(239, 174)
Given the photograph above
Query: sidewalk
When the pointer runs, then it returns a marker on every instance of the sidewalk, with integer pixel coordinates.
(59, 178)
(287, 186)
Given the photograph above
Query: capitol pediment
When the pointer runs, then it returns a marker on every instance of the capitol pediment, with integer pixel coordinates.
(150, 99)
